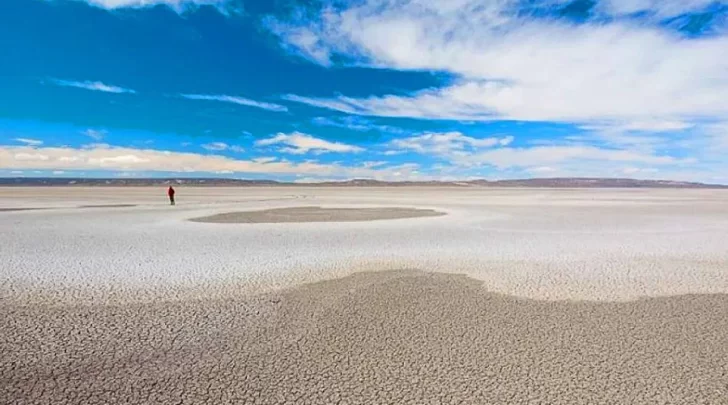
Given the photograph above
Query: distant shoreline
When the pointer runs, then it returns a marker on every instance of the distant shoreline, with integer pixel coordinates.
(480, 183)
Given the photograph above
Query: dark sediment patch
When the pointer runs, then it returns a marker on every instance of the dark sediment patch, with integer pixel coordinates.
(394, 337)
(108, 206)
(317, 214)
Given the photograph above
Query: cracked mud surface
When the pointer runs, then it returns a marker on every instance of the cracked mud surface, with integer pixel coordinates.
(316, 214)
(396, 337)
(603, 245)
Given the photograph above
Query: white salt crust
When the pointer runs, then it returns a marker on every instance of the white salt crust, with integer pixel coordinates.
(605, 245)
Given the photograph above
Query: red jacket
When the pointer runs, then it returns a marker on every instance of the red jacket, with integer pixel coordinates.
(170, 192)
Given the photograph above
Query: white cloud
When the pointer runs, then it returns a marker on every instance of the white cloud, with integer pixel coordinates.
(215, 146)
(510, 66)
(513, 163)
(577, 160)
(220, 146)
(95, 86)
(265, 159)
(29, 155)
(300, 143)
(147, 160)
(694, 140)
(505, 141)
(446, 143)
(717, 138)
(308, 180)
(639, 126)
(506, 158)
(657, 8)
(175, 4)
(354, 123)
(237, 100)
(607, 170)
(27, 141)
(301, 41)
(95, 134)
(58, 172)
(126, 174)
(392, 152)
(69, 159)
(638, 170)
(96, 145)
(427, 104)
(541, 170)
(378, 163)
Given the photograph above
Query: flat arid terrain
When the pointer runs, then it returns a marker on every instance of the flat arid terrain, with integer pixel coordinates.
(363, 296)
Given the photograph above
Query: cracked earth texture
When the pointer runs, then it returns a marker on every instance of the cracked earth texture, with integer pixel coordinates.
(373, 338)
(575, 297)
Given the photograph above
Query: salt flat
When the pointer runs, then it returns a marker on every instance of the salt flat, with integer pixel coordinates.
(569, 296)
(534, 243)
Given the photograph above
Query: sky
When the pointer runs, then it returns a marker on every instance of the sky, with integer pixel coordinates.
(319, 90)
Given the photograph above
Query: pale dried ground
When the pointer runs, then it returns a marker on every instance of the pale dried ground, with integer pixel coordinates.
(536, 243)
(372, 338)
(130, 302)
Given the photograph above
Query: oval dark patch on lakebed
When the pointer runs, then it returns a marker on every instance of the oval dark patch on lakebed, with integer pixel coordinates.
(317, 214)
(108, 206)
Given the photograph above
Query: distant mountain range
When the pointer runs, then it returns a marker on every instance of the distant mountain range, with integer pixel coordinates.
(571, 182)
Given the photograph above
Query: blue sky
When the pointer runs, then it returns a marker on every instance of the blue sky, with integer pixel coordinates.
(386, 89)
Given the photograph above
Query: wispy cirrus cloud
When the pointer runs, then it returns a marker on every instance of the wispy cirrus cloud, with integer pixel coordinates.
(174, 4)
(216, 146)
(656, 8)
(643, 126)
(350, 122)
(448, 143)
(221, 146)
(299, 143)
(95, 134)
(355, 123)
(427, 104)
(551, 155)
(301, 41)
(508, 64)
(94, 86)
(28, 141)
(592, 154)
(237, 100)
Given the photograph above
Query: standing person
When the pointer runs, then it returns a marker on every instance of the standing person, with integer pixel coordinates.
(170, 194)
